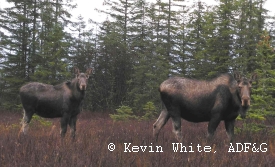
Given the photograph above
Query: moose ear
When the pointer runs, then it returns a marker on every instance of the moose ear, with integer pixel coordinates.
(76, 71)
(237, 76)
(88, 72)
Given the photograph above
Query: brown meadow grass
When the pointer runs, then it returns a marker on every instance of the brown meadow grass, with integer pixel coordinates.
(42, 146)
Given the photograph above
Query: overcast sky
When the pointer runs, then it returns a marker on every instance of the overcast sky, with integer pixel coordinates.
(86, 8)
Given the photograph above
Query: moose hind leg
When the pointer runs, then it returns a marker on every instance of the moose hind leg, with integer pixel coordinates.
(73, 126)
(229, 126)
(161, 121)
(176, 121)
(27, 115)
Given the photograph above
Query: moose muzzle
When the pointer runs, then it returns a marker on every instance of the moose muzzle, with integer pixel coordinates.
(245, 101)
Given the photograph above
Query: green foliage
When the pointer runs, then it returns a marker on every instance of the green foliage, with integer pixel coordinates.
(263, 93)
(150, 111)
(124, 113)
(42, 121)
(273, 131)
(250, 127)
(10, 106)
(35, 46)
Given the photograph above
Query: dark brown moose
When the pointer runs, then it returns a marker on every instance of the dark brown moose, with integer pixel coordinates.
(48, 101)
(222, 98)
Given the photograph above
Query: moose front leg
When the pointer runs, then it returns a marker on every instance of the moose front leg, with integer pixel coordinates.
(64, 122)
(73, 126)
(212, 126)
(229, 126)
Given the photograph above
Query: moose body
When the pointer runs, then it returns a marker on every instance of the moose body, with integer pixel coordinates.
(222, 98)
(48, 101)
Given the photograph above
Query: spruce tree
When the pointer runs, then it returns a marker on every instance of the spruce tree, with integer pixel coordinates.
(264, 92)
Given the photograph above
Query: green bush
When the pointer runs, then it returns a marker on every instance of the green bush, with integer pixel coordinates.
(150, 111)
(251, 127)
(41, 120)
(124, 113)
